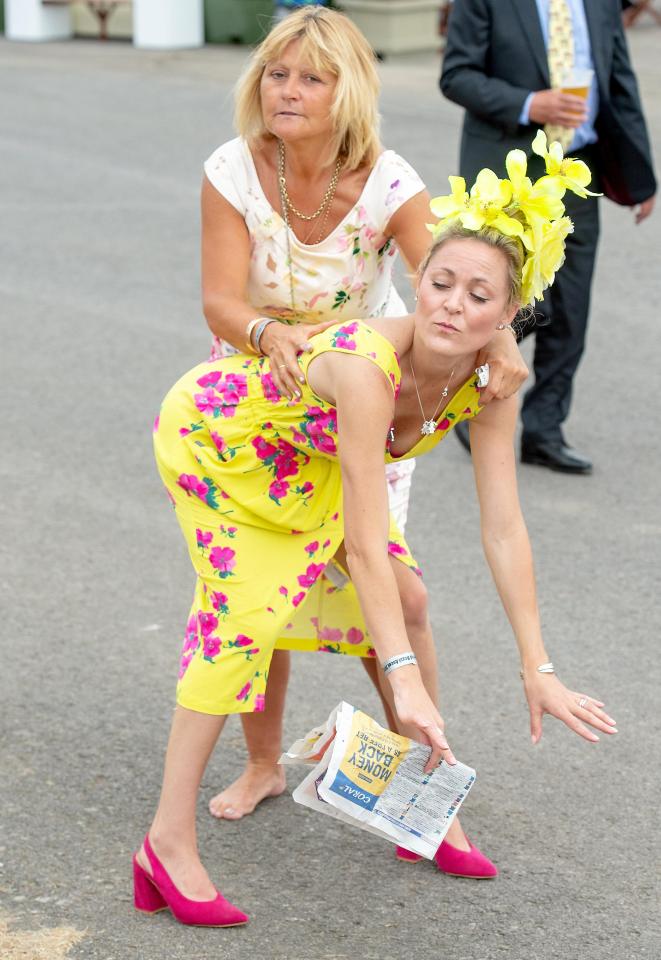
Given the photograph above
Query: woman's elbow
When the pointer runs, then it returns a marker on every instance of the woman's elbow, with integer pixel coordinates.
(361, 557)
(207, 312)
(212, 308)
(499, 535)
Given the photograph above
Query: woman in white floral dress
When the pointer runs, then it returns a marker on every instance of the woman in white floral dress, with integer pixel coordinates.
(302, 218)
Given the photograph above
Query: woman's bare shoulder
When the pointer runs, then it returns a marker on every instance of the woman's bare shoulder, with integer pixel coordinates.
(399, 330)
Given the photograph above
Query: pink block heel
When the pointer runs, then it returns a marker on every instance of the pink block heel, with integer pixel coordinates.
(408, 856)
(156, 892)
(471, 864)
(145, 895)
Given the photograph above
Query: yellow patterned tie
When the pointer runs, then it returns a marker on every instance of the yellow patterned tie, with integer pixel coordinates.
(561, 59)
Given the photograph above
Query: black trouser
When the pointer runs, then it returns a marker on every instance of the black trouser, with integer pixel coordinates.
(560, 331)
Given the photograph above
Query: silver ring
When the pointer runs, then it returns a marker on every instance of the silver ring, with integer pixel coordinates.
(482, 375)
(281, 365)
(582, 702)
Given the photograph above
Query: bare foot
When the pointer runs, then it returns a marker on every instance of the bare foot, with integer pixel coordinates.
(256, 783)
(186, 871)
(457, 838)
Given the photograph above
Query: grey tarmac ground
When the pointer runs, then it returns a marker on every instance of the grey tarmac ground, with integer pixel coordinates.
(101, 162)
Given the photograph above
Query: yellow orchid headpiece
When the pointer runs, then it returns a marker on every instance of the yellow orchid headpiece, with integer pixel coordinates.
(531, 212)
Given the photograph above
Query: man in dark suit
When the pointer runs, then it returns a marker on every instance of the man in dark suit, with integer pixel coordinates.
(496, 65)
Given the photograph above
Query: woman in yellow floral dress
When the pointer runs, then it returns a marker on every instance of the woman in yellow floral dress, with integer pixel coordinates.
(257, 488)
(266, 491)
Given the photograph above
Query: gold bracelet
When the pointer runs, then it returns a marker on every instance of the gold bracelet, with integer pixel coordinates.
(249, 329)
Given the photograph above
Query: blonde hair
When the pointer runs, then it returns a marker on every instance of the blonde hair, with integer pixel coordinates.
(330, 41)
(510, 247)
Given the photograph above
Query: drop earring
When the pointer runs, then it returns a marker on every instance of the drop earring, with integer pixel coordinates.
(507, 326)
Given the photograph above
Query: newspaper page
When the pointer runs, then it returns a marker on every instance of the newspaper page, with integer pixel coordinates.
(311, 747)
(374, 778)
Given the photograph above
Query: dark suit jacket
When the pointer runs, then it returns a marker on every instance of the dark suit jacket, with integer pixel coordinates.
(495, 55)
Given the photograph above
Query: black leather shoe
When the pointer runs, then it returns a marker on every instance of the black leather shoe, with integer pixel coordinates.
(555, 455)
(463, 435)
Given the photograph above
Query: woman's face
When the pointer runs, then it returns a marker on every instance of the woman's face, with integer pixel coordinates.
(463, 296)
(296, 98)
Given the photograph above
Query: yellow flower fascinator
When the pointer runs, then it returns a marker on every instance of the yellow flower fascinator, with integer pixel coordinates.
(531, 212)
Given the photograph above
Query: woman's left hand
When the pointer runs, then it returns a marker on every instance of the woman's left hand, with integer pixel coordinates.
(507, 368)
(546, 694)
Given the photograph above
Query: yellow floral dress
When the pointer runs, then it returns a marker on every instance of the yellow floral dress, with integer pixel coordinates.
(256, 486)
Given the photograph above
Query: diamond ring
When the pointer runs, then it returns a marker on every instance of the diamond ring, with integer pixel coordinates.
(582, 702)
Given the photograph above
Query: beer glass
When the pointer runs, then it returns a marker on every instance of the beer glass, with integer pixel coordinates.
(577, 82)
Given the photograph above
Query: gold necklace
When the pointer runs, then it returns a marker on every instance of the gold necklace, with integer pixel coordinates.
(284, 203)
(283, 208)
(321, 226)
(325, 200)
(429, 426)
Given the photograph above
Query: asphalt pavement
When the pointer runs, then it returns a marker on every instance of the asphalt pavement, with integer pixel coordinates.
(101, 149)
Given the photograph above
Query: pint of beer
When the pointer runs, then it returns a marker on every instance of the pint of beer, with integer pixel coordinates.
(577, 82)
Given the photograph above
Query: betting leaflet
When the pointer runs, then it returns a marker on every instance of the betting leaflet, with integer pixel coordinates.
(374, 779)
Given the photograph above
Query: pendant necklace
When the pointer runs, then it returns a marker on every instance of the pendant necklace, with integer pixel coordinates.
(429, 426)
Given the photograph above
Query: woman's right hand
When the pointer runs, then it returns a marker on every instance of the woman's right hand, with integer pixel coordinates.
(281, 343)
(418, 715)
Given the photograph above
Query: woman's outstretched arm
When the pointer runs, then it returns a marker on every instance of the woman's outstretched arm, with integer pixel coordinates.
(364, 402)
(508, 553)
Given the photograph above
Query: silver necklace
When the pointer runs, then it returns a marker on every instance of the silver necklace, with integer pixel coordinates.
(429, 426)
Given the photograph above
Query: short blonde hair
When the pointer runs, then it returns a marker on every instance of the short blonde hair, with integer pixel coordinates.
(330, 41)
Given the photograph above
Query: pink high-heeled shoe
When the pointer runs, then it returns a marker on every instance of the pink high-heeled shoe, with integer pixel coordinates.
(158, 892)
(457, 863)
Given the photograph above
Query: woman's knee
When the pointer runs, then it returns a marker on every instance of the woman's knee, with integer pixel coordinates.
(415, 603)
